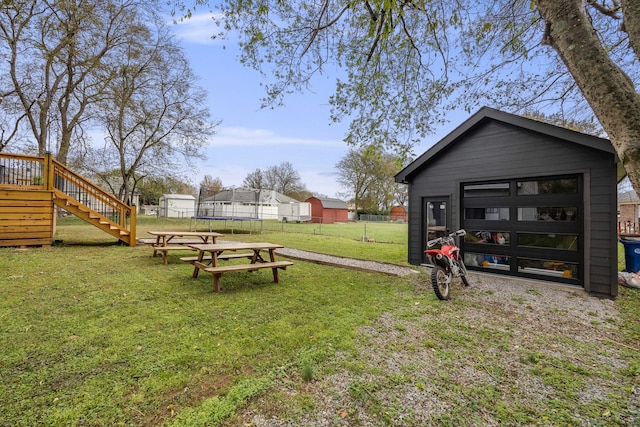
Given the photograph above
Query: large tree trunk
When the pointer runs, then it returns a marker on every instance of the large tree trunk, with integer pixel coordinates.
(631, 10)
(608, 90)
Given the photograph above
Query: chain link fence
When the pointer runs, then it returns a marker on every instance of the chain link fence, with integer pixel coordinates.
(369, 231)
(374, 229)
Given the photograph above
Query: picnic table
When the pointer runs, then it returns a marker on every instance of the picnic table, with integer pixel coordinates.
(215, 252)
(179, 240)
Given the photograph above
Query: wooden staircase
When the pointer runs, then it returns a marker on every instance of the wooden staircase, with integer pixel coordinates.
(70, 192)
(92, 217)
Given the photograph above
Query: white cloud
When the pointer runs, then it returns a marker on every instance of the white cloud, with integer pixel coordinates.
(240, 136)
(198, 29)
(236, 151)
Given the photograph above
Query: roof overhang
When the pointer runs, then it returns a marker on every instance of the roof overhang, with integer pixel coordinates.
(487, 113)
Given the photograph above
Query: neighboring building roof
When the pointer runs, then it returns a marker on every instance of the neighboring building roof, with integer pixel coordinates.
(486, 113)
(329, 203)
(243, 195)
(628, 197)
(179, 196)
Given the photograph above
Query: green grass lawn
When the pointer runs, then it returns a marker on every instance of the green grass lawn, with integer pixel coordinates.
(98, 334)
(95, 333)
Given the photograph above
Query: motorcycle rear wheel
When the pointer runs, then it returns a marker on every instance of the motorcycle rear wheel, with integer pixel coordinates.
(441, 282)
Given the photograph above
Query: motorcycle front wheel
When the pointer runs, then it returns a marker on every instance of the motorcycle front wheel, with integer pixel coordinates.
(463, 272)
(441, 282)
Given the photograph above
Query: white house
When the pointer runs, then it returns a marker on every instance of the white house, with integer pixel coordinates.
(254, 204)
(177, 206)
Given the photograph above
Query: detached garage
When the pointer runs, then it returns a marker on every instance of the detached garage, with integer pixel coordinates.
(327, 210)
(537, 201)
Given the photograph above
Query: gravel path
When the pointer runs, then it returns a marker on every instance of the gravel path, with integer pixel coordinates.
(380, 267)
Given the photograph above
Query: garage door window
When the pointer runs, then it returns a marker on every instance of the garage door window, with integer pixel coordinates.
(546, 213)
(548, 186)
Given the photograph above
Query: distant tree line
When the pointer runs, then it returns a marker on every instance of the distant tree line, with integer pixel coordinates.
(282, 178)
(367, 174)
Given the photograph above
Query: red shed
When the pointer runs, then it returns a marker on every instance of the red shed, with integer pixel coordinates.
(327, 211)
(398, 214)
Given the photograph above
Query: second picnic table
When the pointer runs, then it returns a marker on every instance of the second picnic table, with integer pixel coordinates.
(252, 253)
(164, 238)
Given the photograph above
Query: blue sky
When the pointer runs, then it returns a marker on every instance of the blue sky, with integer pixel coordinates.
(249, 137)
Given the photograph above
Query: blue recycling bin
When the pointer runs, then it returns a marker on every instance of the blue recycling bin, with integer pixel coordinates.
(631, 255)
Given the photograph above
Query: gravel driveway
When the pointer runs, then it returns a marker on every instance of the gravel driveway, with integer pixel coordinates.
(405, 375)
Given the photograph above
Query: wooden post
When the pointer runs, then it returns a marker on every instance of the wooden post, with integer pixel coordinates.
(132, 226)
(48, 172)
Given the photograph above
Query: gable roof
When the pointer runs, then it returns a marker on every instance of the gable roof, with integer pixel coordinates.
(628, 197)
(243, 195)
(486, 114)
(330, 203)
(178, 197)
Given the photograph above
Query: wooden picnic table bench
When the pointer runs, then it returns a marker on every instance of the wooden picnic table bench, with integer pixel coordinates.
(221, 257)
(180, 241)
(256, 261)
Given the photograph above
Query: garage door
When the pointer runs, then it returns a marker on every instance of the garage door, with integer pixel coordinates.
(529, 227)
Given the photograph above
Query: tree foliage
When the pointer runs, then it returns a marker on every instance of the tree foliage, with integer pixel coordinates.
(588, 127)
(151, 189)
(403, 65)
(54, 67)
(153, 111)
(74, 66)
(210, 186)
(254, 180)
(282, 178)
(367, 175)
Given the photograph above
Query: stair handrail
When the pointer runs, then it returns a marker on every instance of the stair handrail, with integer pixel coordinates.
(63, 179)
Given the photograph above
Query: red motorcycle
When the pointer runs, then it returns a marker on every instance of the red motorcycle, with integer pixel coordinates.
(447, 264)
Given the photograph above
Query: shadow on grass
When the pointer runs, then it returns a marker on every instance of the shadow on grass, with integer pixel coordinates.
(69, 243)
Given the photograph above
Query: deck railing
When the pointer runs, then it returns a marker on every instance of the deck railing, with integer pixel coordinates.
(628, 228)
(21, 171)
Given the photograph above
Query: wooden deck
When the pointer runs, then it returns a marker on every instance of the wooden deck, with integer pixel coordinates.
(32, 186)
(26, 218)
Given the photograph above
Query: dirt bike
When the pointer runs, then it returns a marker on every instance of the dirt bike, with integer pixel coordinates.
(447, 264)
